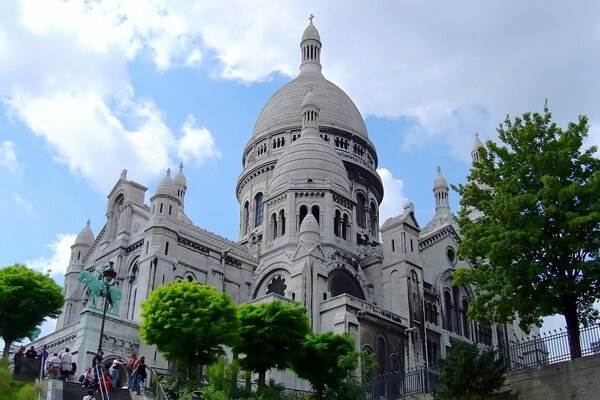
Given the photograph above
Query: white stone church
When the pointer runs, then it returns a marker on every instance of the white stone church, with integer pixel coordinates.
(310, 232)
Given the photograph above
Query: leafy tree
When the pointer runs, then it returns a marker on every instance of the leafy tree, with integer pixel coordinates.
(27, 298)
(189, 323)
(469, 373)
(535, 244)
(270, 336)
(15, 390)
(325, 360)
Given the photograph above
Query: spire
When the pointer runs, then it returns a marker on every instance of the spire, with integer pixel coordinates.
(85, 236)
(476, 146)
(310, 47)
(440, 193)
(180, 184)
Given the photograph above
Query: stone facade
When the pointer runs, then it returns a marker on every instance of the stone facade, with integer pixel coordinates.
(309, 199)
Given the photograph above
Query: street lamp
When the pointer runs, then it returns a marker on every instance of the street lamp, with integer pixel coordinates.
(108, 278)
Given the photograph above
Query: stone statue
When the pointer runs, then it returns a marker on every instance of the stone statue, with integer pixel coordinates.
(95, 287)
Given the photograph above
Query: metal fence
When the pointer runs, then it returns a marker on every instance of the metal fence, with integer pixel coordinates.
(529, 352)
(399, 384)
(548, 348)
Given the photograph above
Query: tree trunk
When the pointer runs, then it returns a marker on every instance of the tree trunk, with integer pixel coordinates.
(572, 320)
(262, 375)
(7, 344)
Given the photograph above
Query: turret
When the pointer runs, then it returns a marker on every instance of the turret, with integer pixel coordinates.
(440, 193)
(310, 47)
(165, 202)
(476, 146)
(180, 185)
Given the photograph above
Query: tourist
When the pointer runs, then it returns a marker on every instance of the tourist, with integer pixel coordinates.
(130, 366)
(139, 375)
(54, 367)
(31, 353)
(18, 359)
(105, 385)
(89, 395)
(87, 378)
(66, 359)
(114, 370)
(97, 362)
(73, 370)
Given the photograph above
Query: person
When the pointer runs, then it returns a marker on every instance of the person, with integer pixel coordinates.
(31, 353)
(43, 355)
(66, 359)
(73, 371)
(139, 375)
(89, 395)
(86, 378)
(18, 359)
(114, 370)
(130, 366)
(97, 362)
(105, 386)
(54, 367)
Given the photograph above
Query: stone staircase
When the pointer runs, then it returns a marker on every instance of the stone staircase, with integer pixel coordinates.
(74, 391)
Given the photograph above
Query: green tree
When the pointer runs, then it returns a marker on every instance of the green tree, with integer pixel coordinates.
(27, 298)
(534, 246)
(470, 373)
(270, 336)
(189, 323)
(325, 360)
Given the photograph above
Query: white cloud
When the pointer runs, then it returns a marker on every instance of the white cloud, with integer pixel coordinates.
(394, 200)
(58, 262)
(197, 144)
(27, 206)
(8, 157)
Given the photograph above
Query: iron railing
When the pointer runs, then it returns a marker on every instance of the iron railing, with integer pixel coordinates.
(399, 384)
(548, 348)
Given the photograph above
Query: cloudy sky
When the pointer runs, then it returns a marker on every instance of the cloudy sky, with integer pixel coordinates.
(88, 88)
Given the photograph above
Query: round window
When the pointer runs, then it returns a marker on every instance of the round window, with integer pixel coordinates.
(451, 254)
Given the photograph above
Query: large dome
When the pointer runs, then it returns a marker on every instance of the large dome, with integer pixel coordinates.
(283, 109)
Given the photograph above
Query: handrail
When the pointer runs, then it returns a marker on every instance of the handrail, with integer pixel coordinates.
(156, 387)
(102, 384)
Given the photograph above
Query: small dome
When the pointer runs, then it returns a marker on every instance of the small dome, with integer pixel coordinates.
(311, 32)
(440, 181)
(309, 230)
(86, 236)
(180, 178)
(166, 186)
(310, 160)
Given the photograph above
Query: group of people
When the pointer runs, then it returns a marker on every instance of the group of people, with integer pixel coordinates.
(23, 355)
(101, 380)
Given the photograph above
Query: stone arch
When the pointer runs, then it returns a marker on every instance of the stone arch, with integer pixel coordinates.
(260, 287)
(357, 274)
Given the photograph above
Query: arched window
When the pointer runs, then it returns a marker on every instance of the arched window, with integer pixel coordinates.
(258, 209)
(373, 219)
(315, 212)
(345, 227)
(360, 210)
(456, 311)
(274, 225)
(337, 219)
(448, 310)
(465, 321)
(303, 212)
(246, 217)
(282, 222)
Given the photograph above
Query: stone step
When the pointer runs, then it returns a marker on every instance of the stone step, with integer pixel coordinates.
(74, 391)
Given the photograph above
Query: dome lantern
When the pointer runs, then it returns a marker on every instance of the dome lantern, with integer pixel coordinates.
(310, 47)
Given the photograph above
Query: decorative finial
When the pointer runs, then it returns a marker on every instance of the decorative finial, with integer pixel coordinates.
(88, 223)
(180, 167)
(168, 171)
(311, 18)
(124, 174)
(476, 134)
(439, 170)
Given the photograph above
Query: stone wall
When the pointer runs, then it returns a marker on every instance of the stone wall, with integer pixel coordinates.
(575, 380)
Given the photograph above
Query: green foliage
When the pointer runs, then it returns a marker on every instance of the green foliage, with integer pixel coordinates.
(469, 373)
(535, 239)
(13, 390)
(27, 297)
(325, 360)
(189, 323)
(270, 335)
(178, 386)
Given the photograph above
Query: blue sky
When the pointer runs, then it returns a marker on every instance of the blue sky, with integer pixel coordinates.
(90, 88)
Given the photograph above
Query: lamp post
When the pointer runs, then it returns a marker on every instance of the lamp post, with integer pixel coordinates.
(108, 279)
